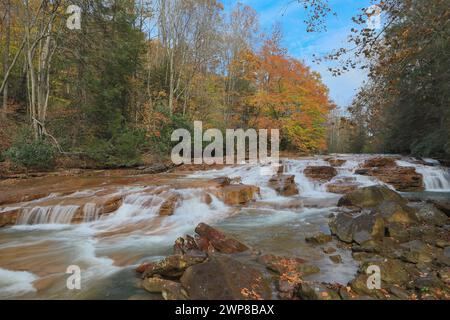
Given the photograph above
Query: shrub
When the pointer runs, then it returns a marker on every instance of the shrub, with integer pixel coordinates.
(123, 150)
(31, 153)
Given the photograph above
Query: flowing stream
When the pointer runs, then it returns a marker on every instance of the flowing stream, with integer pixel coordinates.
(36, 251)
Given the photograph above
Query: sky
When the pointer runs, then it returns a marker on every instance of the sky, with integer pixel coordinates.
(302, 45)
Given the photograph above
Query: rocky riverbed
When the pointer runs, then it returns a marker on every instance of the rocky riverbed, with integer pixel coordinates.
(312, 228)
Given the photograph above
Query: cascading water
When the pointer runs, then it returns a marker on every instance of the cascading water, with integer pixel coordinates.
(44, 242)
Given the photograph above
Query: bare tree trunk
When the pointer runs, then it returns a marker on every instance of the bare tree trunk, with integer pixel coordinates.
(6, 50)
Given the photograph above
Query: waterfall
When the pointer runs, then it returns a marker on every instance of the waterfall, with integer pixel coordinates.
(435, 178)
(59, 214)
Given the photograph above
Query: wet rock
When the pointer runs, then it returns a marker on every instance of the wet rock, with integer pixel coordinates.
(336, 258)
(237, 194)
(224, 278)
(336, 162)
(169, 205)
(284, 185)
(290, 267)
(316, 291)
(429, 214)
(170, 290)
(10, 217)
(370, 197)
(359, 228)
(222, 181)
(401, 178)
(329, 250)
(342, 187)
(319, 238)
(172, 266)
(218, 240)
(379, 162)
(185, 245)
(320, 173)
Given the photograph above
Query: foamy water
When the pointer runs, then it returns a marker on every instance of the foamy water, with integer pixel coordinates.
(106, 245)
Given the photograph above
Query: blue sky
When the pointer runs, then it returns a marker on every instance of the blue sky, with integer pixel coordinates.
(303, 45)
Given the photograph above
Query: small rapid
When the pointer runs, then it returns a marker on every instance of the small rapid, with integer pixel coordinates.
(108, 228)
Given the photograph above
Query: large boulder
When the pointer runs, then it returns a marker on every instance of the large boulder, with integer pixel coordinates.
(211, 237)
(284, 184)
(369, 197)
(320, 173)
(236, 194)
(224, 278)
(358, 227)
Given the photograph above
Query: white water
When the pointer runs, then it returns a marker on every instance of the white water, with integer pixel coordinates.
(104, 244)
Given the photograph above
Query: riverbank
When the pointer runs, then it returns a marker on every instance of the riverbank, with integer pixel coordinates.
(109, 222)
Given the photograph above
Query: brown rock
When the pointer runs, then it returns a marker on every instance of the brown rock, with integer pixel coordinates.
(379, 162)
(170, 290)
(168, 206)
(401, 178)
(224, 278)
(8, 218)
(320, 173)
(237, 194)
(218, 240)
(336, 162)
(336, 258)
(342, 187)
(172, 266)
(288, 267)
(319, 238)
(284, 184)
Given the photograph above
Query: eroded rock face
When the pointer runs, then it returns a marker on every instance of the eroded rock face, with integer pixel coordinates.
(237, 194)
(401, 178)
(430, 214)
(224, 278)
(284, 184)
(320, 173)
(209, 236)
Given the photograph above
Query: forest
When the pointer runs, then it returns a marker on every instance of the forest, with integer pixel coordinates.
(111, 93)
